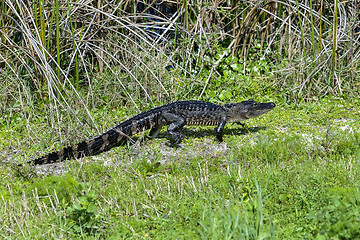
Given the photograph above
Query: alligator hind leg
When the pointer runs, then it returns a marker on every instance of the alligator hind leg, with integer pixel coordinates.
(155, 131)
(176, 123)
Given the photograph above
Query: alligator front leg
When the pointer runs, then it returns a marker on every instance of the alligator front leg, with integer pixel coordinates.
(219, 130)
(176, 123)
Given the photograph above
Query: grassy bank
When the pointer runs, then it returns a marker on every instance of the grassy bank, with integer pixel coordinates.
(293, 173)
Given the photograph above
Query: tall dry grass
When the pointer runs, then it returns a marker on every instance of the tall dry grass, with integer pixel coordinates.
(71, 52)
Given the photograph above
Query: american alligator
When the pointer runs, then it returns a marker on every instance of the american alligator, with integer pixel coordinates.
(176, 115)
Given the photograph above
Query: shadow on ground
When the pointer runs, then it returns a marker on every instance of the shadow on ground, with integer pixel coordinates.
(199, 133)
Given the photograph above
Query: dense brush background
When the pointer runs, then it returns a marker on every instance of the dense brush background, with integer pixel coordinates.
(83, 54)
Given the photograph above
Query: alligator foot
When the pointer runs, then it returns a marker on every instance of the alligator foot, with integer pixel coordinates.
(219, 137)
(176, 137)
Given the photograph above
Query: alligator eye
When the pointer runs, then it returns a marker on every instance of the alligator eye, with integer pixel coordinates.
(255, 104)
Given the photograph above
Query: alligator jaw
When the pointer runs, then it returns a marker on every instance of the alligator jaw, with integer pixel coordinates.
(247, 109)
(260, 109)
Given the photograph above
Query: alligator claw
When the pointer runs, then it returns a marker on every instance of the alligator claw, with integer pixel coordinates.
(176, 138)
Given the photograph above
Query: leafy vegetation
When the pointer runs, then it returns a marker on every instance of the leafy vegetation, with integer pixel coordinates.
(72, 69)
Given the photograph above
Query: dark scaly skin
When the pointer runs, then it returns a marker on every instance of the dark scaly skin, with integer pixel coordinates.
(176, 115)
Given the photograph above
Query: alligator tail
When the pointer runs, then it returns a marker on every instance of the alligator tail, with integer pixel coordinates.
(115, 136)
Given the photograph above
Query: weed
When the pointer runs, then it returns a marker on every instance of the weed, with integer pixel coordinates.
(83, 216)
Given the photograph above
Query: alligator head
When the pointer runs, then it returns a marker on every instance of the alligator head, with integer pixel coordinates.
(246, 109)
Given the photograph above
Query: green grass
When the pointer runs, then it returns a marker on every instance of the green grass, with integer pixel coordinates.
(292, 174)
